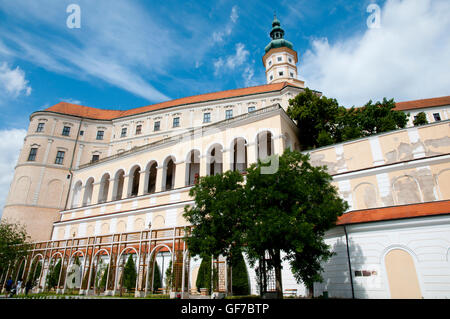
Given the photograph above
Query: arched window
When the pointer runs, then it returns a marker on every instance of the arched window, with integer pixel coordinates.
(239, 158)
(133, 184)
(76, 194)
(104, 188)
(151, 174)
(169, 173)
(87, 198)
(215, 160)
(264, 144)
(118, 185)
(192, 167)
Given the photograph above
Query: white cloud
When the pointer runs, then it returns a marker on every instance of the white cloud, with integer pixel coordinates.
(12, 141)
(13, 82)
(406, 58)
(218, 36)
(231, 62)
(234, 15)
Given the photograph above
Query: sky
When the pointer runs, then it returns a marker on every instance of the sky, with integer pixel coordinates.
(127, 54)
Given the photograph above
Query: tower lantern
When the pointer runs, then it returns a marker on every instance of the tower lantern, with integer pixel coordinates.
(280, 58)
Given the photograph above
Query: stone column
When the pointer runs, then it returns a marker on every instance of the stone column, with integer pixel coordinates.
(180, 174)
(109, 197)
(141, 183)
(159, 179)
(125, 190)
(95, 193)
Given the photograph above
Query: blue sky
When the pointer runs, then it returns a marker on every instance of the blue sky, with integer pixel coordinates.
(134, 53)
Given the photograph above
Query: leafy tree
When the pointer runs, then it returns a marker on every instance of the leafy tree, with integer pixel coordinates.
(14, 244)
(53, 276)
(217, 215)
(420, 119)
(239, 276)
(380, 117)
(291, 210)
(129, 274)
(169, 276)
(313, 115)
(321, 121)
(157, 278)
(102, 284)
(287, 211)
(204, 275)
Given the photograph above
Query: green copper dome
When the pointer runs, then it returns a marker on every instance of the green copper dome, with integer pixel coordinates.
(277, 34)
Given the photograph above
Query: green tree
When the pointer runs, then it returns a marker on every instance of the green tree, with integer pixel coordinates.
(169, 277)
(286, 211)
(290, 211)
(53, 276)
(314, 115)
(129, 274)
(217, 215)
(239, 276)
(204, 275)
(14, 244)
(102, 284)
(380, 117)
(420, 119)
(321, 121)
(157, 278)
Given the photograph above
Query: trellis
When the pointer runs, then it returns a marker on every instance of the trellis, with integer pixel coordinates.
(145, 245)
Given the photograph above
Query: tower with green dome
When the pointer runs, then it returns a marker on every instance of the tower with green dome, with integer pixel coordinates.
(280, 58)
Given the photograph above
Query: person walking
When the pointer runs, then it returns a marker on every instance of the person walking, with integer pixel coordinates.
(28, 286)
(8, 286)
(19, 286)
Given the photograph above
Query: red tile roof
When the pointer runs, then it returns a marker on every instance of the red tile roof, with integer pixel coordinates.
(100, 114)
(395, 212)
(424, 103)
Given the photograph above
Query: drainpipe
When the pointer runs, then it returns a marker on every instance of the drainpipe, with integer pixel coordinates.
(71, 164)
(349, 263)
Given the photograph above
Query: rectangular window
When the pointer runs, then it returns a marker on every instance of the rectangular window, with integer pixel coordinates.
(138, 129)
(95, 158)
(156, 126)
(292, 75)
(100, 135)
(176, 122)
(251, 109)
(66, 130)
(271, 77)
(228, 114)
(270, 62)
(206, 117)
(32, 155)
(81, 133)
(59, 157)
(124, 132)
(279, 59)
(437, 116)
(40, 127)
(290, 60)
(280, 73)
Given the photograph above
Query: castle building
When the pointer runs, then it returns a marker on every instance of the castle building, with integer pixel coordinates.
(85, 175)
